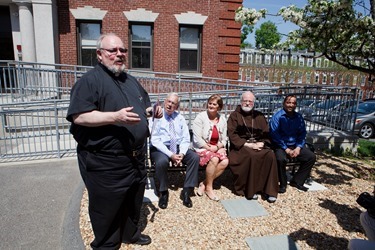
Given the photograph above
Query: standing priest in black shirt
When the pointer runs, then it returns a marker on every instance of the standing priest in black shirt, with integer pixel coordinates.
(108, 111)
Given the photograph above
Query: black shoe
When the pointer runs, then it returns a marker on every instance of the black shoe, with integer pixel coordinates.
(271, 199)
(282, 190)
(163, 199)
(298, 186)
(185, 197)
(142, 240)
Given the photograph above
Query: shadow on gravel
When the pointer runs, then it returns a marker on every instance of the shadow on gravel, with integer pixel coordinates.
(319, 241)
(347, 217)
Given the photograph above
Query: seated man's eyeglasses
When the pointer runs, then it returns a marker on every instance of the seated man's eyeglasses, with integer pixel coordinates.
(113, 51)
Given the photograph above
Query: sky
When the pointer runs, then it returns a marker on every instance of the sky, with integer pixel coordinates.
(273, 7)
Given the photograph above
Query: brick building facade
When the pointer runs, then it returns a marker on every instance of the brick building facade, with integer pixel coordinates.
(215, 52)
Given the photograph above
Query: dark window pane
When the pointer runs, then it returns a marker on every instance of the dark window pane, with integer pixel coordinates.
(189, 37)
(89, 57)
(141, 58)
(141, 44)
(141, 33)
(188, 60)
(90, 31)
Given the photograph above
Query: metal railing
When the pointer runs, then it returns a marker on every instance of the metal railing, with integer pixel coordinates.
(34, 100)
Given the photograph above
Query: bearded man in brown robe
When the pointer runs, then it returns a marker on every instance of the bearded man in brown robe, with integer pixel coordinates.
(251, 160)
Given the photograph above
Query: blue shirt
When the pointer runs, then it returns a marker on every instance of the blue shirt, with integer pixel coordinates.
(288, 131)
(160, 136)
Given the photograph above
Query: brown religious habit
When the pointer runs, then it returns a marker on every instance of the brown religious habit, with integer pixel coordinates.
(255, 172)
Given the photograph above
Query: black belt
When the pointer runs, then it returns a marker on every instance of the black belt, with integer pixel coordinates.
(132, 153)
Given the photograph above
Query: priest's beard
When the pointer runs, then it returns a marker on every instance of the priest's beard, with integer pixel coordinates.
(247, 109)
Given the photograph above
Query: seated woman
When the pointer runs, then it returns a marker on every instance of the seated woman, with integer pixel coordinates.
(251, 161)
(209, 141)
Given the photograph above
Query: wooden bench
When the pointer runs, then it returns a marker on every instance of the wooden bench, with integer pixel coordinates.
(292, 163)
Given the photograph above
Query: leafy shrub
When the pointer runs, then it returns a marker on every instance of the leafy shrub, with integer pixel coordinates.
(366, 148)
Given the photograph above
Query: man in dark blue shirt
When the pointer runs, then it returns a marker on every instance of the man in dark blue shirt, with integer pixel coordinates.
(288, 133)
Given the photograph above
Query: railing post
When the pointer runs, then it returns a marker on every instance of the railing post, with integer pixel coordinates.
(190, 108)
(59, 155)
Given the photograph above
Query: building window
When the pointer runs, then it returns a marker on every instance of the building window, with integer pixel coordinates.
(318, 62)
(141, 44)
(250, 58)
(316, 78)
(284, 59)
(248, 75)
(301, 61)
(87, 35)
(324, 81)
(267, 59)
(308, 78)
(332, 79)
(190, 48)
(309, 62)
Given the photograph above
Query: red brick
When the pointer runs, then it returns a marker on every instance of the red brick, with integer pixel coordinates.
(229, 50)
(228, 67)
(231, 58)
(229, 32)
(233, 41)
(230, 75)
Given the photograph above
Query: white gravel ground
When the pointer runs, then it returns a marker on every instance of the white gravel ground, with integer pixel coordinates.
(314, 220)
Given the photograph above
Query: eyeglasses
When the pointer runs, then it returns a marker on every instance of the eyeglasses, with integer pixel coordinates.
(114, 50)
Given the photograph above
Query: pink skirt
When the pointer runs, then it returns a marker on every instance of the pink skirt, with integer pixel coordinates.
(206, 156)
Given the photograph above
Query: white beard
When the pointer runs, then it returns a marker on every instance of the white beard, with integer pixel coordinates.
(247, 109)
(117, 70)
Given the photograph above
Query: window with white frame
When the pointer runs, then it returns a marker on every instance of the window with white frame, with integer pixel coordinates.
(190, 48)
(318, 62)
(258, 59)
(242, 57)
(257, 75)
(249, 58)
(316, 78)
(277, 59)
(248, 75)
(324, 81)
(301, 61)
(284, 59)
(87, 35)
(308, 77)
(140, 45)
(294, 60)
(240, 75)
(332, 79)
(310, 62)
(267, 59)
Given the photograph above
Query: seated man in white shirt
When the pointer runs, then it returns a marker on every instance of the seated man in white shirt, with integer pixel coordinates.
(170, 141)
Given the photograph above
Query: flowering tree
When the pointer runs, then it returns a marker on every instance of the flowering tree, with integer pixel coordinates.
(342, 30)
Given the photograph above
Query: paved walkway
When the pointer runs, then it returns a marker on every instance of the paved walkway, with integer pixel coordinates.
(39, 205)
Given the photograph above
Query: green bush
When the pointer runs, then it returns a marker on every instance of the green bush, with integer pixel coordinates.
(366, 148)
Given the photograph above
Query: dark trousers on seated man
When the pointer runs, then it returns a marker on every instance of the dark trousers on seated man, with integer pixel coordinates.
(162, 163)
(307, 160)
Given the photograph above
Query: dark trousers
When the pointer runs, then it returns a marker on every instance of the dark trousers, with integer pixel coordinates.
(161, 161)
(115, 186)
(306, 159)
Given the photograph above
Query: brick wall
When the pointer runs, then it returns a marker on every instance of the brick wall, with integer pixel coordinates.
(220, 40)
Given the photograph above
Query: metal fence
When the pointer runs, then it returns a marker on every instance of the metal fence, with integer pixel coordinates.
(34, 99)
